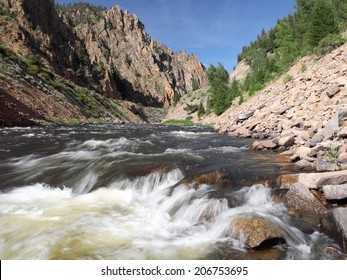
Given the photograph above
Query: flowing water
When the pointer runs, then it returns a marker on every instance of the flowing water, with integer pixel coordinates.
(135, 192)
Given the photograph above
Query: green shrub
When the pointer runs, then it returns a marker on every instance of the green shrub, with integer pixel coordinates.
(303, 68)
(195, 85)
(287, 79)
(176, 98)
(191, 108)
(56, 85)
(46, 76)
(33, 70)
(32, 60)
(241, 100)
(332, 154)
(329, 43)
(201, 110)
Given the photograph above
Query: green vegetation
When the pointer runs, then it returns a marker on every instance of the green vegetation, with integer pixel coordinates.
(188, 121)
(303, 68)
(329, 43)
(241, 100)
(176, 98)
(332, 154)
(8, 54)
(63, 122)
(287, 79)
(33, 70)
(89, 102)
(57, 85)
(81, 13)
(201, 110)
(313, 28)
(223, 93)
(195, 85)
(190, 109)
(32, 60)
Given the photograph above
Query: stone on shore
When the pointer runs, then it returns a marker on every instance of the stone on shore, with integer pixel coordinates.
(335, 192)
(286, 141)
(323, 166)
(264, 144)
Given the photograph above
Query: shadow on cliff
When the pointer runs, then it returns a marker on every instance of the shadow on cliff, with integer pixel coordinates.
(15, 113)
(128, 92)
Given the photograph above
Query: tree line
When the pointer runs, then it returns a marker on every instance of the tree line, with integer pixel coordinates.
(314, 27)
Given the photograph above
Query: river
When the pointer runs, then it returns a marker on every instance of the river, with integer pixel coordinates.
(138, 192)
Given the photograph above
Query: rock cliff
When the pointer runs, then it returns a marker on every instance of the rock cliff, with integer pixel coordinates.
(143, 69)
(69, 55)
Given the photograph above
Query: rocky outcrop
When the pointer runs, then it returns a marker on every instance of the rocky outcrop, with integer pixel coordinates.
(241, 71)
(144, 70)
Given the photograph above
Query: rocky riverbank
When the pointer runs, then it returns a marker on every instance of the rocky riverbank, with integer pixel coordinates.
(304, 115)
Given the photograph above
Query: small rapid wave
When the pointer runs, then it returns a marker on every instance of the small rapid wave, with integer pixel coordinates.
(189, 134)
(153, 216)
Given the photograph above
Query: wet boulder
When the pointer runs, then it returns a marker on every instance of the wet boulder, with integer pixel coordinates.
(257, 232)
(335, 225)
(217, 179)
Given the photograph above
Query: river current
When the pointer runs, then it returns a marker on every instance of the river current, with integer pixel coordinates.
(139, 192)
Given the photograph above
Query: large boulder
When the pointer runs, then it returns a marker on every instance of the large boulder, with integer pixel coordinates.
(335, 192)
(335, 225)
(332, 91)
(257, 232)
(334, 178)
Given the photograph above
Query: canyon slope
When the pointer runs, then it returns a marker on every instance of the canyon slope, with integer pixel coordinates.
(81, 62)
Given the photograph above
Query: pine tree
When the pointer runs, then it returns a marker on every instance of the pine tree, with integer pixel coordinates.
(218, 79)
(323, 22)
(287, 46)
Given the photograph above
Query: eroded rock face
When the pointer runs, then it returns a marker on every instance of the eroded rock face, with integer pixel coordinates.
(108, 51)
(145, 70)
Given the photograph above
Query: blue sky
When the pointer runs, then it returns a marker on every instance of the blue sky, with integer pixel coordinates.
(214, 30)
